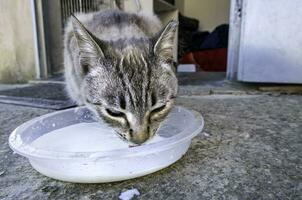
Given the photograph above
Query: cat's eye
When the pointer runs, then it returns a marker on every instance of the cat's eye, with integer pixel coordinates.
(159, 109)
(114, 113)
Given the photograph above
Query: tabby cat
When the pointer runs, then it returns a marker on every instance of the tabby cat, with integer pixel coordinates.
(120, 65)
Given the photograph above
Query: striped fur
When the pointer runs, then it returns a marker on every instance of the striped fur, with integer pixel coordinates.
(120, 66)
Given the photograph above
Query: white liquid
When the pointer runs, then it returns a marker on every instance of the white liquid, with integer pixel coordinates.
(83, 137)
(92, 137)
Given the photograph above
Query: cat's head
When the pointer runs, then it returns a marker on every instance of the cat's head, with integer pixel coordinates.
(130, 84)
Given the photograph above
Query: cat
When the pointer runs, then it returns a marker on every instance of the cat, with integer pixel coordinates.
(120, 65)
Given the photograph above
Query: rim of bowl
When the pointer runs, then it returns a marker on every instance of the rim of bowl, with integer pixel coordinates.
(31, 152)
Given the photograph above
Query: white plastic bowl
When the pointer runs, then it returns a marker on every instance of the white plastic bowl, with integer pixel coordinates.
(106, 166)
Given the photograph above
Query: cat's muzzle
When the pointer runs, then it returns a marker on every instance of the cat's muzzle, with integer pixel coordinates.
(140, 136)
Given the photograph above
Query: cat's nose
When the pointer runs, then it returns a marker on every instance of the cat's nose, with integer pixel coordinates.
(140, 136)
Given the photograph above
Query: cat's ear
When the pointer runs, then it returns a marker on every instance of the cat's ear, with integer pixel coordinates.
(164, 44)
(91, 48)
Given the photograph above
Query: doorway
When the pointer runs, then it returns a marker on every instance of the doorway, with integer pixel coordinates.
(203, 39)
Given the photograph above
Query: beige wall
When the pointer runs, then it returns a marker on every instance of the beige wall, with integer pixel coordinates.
(180, 5)
(16, 41)
(210, 13)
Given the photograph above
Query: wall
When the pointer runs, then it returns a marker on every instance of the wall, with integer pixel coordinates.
(180, 5)
(210, 13)
(17, 62)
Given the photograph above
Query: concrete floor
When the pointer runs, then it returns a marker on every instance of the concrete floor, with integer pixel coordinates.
(250, 149)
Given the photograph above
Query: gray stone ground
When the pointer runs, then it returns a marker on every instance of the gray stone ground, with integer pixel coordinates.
(250, 149)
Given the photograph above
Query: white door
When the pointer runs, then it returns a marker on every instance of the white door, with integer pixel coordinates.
(270, 41)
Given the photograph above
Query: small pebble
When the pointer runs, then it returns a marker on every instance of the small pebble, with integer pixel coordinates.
(129, 194)
(206, 134)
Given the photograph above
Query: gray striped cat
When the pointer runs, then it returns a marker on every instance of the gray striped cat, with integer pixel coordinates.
(120, 65)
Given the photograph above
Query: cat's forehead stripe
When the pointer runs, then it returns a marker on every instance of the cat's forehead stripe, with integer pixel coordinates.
(147, 80)
(136, 78)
